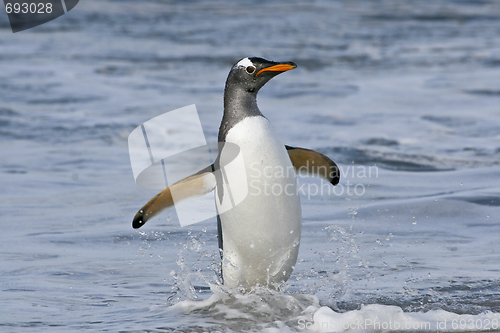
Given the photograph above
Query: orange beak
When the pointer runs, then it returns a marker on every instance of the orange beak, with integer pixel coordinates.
(278, 68)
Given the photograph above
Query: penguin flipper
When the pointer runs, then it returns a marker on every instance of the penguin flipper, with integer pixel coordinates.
(195, 185)
(312, 163)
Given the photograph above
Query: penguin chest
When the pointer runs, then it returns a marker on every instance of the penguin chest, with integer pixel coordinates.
(259, 207)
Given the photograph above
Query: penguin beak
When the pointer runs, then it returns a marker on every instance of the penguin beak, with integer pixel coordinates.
(281, 67)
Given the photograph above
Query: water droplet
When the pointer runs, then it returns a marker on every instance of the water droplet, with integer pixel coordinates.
(252, 246)
(141, 211)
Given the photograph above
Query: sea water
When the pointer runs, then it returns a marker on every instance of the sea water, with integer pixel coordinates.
(403, 95)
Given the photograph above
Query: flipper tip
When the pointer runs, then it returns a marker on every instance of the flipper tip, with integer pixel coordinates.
(139, 220)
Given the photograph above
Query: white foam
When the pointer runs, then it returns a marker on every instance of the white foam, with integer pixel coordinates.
(302, 313)
(377, 317)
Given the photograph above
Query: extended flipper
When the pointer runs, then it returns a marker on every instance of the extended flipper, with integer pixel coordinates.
(195, 185)
(312, 163)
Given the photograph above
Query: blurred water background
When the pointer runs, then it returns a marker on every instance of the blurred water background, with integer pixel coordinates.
(404, 95)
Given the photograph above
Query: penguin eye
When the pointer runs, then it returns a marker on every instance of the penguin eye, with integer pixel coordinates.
(250, 69)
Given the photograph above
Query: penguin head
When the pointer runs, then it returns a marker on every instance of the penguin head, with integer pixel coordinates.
(252, 73)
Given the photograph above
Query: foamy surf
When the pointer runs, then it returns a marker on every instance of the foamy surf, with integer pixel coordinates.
(260, 307)
(386, 318)
(310, 302)
(272, 311)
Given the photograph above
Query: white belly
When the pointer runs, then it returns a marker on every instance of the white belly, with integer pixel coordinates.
(261, 234)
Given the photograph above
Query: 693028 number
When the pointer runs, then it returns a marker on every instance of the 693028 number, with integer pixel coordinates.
(32, 8)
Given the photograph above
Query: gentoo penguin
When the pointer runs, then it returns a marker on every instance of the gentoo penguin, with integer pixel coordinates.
(259, 237)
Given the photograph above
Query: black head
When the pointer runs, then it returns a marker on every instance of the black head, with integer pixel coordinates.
(250, 74)
(245, 79)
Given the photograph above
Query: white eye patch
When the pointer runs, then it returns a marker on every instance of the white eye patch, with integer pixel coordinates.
(245, 62)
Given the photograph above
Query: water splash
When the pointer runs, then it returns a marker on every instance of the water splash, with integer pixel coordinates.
(260, 309)
(197, 288)
(198, 262)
